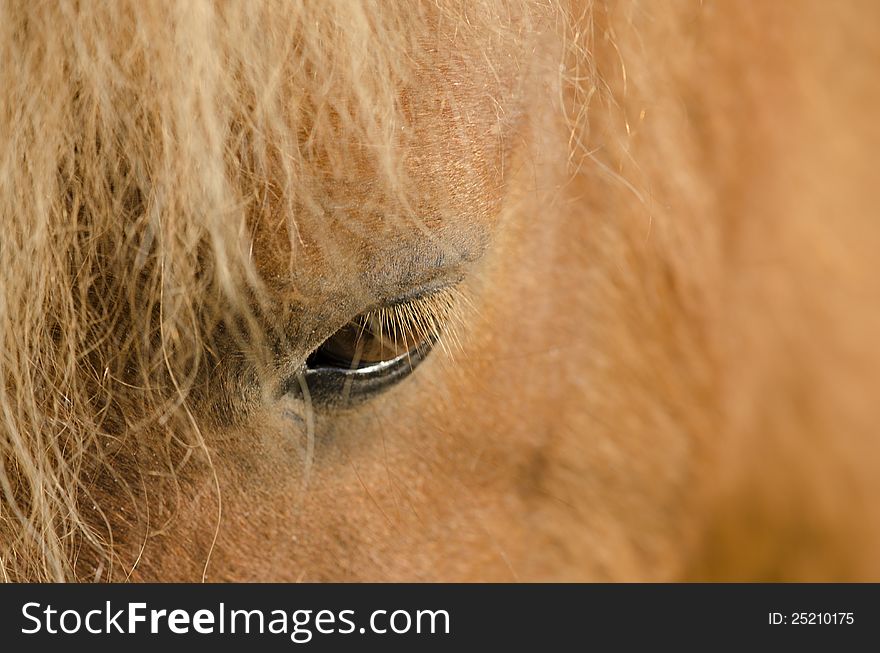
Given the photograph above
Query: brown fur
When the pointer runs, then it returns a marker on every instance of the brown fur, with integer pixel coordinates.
(660, 220)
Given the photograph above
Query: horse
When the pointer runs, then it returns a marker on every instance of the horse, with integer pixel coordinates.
(506, 290)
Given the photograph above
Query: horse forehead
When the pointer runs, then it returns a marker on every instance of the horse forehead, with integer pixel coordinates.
(440, 212)
(430, 189)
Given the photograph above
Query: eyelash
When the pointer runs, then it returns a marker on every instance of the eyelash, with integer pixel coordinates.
(435, 317)
(390, 332)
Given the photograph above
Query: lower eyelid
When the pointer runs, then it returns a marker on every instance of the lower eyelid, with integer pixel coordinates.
(338, 388)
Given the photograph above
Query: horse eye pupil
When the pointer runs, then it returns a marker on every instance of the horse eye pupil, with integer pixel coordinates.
(339, 350)
(360, 344)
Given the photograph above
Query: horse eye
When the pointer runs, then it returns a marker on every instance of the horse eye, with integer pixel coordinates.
(373, 352)
(361, 344)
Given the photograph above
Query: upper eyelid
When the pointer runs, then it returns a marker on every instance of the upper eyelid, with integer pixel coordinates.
(319, 326)
(424, 291)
